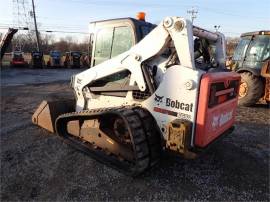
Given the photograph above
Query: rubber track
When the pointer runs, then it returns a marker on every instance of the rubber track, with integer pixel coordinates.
(152, 135)
(136, 129)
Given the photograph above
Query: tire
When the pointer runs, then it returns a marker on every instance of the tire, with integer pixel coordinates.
(268, 104)
(251, 89)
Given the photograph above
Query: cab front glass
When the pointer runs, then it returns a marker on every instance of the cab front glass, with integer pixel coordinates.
(252, 51)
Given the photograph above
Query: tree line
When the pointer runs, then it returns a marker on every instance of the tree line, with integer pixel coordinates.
(48, 42)
(231, 43)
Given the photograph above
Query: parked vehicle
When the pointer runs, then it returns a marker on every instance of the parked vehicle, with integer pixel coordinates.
(55, 59)
(146, 92)
(250, 56)
(37, 60)
(73, 59)
(17, 59)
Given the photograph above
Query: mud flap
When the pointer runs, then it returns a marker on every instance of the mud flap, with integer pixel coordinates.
(47, 112)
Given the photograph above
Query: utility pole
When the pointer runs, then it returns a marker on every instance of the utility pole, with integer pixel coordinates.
(193, 13)
(35, 22)
(21, 21)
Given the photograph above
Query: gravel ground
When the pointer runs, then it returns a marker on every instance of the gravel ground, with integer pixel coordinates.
(37, 166)
(22, 76)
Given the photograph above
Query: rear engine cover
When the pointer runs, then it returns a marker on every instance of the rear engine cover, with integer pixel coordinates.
(217, 106)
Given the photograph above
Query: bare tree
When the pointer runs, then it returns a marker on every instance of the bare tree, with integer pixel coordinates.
(48, 43)
(231, 45)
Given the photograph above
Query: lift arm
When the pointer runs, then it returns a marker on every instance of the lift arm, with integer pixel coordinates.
(175, 29)
(6, 40)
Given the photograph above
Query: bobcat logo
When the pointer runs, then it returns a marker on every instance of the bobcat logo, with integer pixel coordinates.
(215, 122)
(158, 99)
(221, 119)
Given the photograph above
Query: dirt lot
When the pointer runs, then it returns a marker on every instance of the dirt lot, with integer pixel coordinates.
(38, 166)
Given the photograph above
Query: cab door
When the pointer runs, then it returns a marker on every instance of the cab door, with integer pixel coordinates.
(110, 41)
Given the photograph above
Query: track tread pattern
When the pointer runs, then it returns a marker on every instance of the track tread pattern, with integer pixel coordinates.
(138, 122)
(152, 135)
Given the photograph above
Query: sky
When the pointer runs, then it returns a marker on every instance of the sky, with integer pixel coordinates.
(66, 16)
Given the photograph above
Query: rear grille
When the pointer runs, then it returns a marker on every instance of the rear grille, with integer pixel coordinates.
(219, 93)
(139, 95)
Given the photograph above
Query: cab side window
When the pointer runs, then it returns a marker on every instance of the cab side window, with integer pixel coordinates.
(111, 42)
(122, 40)
(103, 45)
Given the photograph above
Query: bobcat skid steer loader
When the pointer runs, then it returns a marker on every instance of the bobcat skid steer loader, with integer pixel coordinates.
(170, 91)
